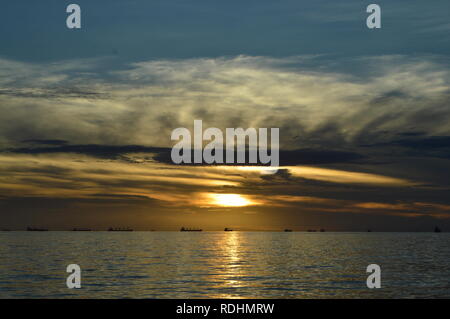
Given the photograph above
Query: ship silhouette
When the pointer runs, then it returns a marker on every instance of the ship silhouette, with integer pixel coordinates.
(227, 229)
(437, 229)
(190, 229)
(119, 229)
(36, 229)
(81, 229)
(288, 230)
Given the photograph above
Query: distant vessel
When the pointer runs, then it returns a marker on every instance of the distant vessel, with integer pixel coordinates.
(190, 229)
(437, 229)
(36, 229)
(288, 230)
(227, 229)
(119, 229)
(81, 229)
(322, 230)
(312, 230)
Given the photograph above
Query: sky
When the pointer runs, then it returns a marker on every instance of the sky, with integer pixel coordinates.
(87, 115)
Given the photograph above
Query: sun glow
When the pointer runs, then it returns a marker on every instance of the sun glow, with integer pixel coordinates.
(230, 200)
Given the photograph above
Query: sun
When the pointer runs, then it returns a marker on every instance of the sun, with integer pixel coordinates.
(230, 200)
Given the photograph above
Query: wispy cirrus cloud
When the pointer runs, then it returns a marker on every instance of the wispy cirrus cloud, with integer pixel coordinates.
(313, 103)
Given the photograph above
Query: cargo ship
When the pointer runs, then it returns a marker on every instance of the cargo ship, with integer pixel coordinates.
(190, 229)
(36, 229)
(119, 229)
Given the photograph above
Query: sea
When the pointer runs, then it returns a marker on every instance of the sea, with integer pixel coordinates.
(231, 264)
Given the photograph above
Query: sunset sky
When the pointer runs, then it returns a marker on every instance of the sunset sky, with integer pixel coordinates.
(87, 115)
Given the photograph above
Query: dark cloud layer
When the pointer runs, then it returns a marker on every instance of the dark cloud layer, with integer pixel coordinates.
(418, 145)
(100, 151)
(163, 155)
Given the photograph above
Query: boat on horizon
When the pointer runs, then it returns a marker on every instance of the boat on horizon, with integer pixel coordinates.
(36, 229)
(288, 230)
(437, 229)
(119, 229)
(227, 229)
(190, 229)
(81, 229)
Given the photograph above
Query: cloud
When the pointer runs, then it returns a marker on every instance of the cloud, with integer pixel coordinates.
(313, 104)
(410, 209)
(330, 176)
(100, 151)
(162, 154)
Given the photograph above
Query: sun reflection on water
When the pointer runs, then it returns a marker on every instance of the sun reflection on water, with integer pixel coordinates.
(233, 267)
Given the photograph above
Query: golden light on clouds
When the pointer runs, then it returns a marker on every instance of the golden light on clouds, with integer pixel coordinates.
(334, 175)
(345, 177)
(230, 200)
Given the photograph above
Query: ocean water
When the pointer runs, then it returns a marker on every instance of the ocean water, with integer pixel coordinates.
(224, 264)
